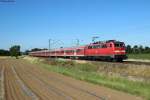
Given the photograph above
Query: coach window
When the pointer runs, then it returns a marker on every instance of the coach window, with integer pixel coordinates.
(89, 47)
(70, 51)
(99, 46)
(104, 46)
(93, 47)
(78, 50)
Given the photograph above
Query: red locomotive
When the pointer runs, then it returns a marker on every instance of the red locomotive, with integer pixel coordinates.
(109, 50)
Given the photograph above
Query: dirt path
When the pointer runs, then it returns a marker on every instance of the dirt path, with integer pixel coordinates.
(20, 80)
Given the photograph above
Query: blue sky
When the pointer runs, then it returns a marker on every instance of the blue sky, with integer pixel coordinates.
(30, 23)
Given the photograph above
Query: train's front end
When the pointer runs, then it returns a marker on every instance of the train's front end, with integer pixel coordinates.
(119, 51)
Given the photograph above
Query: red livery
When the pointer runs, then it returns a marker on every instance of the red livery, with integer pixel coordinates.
(109, 50)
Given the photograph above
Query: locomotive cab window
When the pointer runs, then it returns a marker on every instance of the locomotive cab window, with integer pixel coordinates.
(119, 45)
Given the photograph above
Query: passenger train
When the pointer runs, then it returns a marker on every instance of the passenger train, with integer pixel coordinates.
(111, 50)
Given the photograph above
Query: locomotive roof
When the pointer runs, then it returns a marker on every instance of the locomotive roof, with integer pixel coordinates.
(108, 41)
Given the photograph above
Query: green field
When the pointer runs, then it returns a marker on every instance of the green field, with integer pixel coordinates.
(139, 56)
(88, 72)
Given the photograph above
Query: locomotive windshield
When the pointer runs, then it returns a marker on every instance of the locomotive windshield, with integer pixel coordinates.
(119, 44)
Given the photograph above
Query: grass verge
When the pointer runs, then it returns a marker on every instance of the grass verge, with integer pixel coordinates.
(87, 72)
(139, 56)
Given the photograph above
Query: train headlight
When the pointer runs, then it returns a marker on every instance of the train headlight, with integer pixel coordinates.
(119, 51)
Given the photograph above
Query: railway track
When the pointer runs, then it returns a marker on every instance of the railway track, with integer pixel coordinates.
(20, 80)
(136, 62)
(123, 62)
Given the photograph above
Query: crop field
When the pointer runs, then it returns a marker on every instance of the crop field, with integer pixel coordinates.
(21, 80)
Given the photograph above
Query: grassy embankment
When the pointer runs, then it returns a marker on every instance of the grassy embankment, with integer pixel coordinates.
(88, 72)
(139, 56)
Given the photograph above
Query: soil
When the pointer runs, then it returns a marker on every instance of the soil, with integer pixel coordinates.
(20, 80)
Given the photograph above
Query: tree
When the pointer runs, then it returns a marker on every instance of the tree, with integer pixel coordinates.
(136, 49)
(147, 50)
(128, 49)
(26, 52)
(15, 51)
(141, 49)
(4, 52)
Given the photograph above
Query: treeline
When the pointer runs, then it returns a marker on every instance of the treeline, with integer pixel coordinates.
(4, 52)
(137, 49)
(13, 51)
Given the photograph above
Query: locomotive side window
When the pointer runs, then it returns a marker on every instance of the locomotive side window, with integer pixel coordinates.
(96, 46)
(110, 45)
(69, 51)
